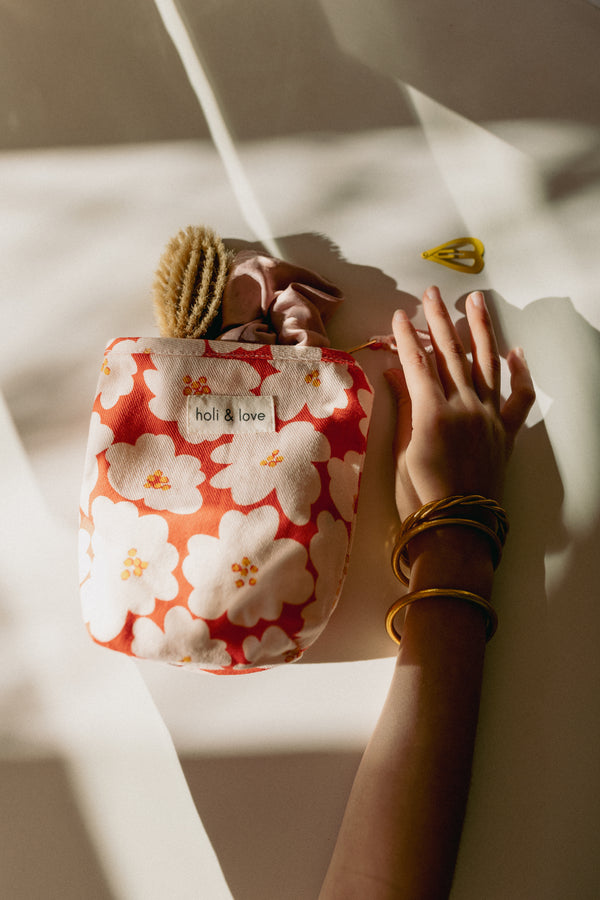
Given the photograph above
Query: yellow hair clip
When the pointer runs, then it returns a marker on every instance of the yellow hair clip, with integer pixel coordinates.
(448, 254)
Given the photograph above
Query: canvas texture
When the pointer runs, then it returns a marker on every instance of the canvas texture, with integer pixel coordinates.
(219, 499)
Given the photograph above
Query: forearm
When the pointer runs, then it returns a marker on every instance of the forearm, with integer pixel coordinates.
(400, 834)
(401, 829)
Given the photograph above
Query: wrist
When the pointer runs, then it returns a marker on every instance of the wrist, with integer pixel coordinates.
(452, 557)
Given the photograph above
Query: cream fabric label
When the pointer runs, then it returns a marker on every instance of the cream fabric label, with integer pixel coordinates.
(215, 414)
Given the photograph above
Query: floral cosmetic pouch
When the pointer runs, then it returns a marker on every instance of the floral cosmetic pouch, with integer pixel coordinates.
(219, 499)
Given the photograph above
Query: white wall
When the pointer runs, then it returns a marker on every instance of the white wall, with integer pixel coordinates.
(365, 137)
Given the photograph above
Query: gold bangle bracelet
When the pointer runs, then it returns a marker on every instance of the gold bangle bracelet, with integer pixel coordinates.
(400, 551)
(458, 501)
(448, 593)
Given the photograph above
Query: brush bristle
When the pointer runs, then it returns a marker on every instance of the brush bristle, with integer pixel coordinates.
(189, 282)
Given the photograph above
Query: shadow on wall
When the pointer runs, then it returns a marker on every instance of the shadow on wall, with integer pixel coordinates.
(44, 849)
(476, 58)
(540, 715)
(108, 73)
(272, 821)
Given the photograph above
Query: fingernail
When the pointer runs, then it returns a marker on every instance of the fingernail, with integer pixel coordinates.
(401, 315)
(478, 299)
(432, 292)
(520, 353)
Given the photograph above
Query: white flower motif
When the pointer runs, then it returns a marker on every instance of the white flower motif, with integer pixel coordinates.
(322, 388)
(131, 569)
(224, 347)
(329, 554)
(168, 346)
(280, 352)
(245, 571)
(184, 641)
(365, 398)
(100, 437)
(275, 646)
(118, 369)
(177, 377)
(261, 463)
(85, 562)
(343, 486)
(153, 472)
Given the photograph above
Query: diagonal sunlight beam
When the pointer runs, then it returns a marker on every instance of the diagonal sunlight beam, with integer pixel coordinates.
(249, 205)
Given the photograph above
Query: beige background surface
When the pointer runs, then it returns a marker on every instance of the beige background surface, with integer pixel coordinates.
(358, 139)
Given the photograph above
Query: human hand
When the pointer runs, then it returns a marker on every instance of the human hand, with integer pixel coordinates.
(454, 434)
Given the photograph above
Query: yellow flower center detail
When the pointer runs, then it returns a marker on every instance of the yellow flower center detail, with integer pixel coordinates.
(105, 368)
(200, 386)
(272, 459)
(158, 480)
(133, 565)
(246, 571)
(313, 378)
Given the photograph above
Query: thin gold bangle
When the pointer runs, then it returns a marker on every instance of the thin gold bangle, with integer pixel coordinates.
(448, 593)
(435, 507)
(400, 555)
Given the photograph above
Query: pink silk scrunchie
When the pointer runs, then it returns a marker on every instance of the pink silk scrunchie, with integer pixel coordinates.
(269, 301)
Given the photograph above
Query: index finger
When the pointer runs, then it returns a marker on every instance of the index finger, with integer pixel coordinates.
(420, 371)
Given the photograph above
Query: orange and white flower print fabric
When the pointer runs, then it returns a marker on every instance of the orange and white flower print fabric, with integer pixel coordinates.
(219, 498)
